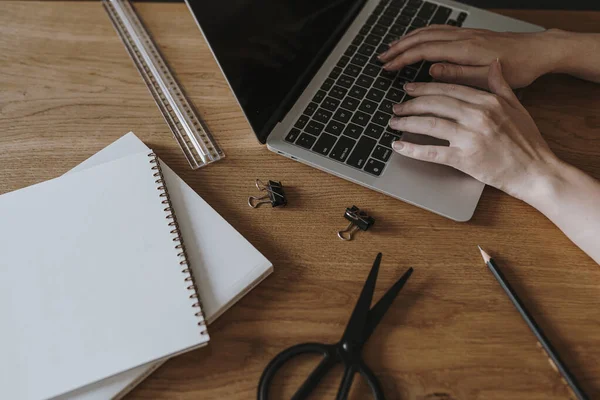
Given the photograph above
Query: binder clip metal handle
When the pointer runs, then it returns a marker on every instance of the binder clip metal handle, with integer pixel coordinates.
(275, 195)
(359, 220)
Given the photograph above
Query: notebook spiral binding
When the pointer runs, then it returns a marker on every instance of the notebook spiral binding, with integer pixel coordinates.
(189, 278)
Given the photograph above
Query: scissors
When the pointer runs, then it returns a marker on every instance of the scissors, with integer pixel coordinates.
(347, 351)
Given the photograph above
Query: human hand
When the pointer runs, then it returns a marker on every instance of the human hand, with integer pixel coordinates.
(467, 54)
(492, 137)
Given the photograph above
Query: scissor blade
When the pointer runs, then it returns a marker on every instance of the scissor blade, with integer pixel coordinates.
(379, 309)
(356, 325)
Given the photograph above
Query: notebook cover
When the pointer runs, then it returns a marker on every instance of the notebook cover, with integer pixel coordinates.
(90, 280)
(226, 264)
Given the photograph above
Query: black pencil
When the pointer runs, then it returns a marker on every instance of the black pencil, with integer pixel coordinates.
(553, 357)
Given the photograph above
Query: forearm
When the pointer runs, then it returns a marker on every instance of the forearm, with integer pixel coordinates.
(570, 199)
(578, 54)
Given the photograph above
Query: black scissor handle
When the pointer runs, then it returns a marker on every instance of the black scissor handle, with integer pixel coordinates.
(329, 360)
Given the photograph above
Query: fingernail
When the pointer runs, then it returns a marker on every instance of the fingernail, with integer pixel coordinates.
(387, 65)
(409, 87)
(436, 69)
(382, 55)
(397, 145)
(499, 64)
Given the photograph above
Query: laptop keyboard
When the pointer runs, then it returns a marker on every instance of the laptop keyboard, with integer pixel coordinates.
(347, 119)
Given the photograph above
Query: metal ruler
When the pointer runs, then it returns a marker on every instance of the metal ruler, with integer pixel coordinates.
(197, 143)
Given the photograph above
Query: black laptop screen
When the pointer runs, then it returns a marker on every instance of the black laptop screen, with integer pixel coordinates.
(266, 48)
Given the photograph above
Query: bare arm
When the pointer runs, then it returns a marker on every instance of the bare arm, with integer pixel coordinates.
(494, 139)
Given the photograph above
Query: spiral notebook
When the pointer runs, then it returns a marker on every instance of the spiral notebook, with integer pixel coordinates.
(93, 279)
(225, 264)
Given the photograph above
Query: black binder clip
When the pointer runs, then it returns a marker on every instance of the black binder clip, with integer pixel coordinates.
(275, 195)
(358, 220)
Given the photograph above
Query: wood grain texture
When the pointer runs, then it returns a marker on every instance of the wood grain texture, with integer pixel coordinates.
(68, 88)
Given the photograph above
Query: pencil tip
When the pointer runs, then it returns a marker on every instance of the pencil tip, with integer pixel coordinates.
(486, 256)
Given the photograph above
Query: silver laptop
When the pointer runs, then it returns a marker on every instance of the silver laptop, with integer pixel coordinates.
(306, 75)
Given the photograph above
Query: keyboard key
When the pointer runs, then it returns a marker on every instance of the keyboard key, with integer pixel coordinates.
(292, 135)
(314, 128)
(358, 40)
(310, 109)
(426, 10)
(375, 94)
(361, 152)
(373, 40)
(359, 59)
(322, 115)
(441, 15)
(395, 95)
(371, 70)
(350, 103)
(403, 20)
(389, 39)
(375, 61)
(382, 83)
(387, 107)
(385, 20)
(398, 30)
(335, 73)
(324, 144)
(345, 81)
(381, 153)
(342, 115)
(301, 123)
(338, 92)
(418, 22)
(342, 148)
(379, 30)
(319, 96)
(414, 3)
(350, 50)
(410, 29)
(368, 106)
(374, 167)
(381, 118)
(391, 12)
(330, 103)
(365, 81)
(388, 74)
(399, 83)
(358, 92)
(366, 49)
(334, 127)
(343, 61)
(364, 30)
(372, 19)
(352, 130)
(408, 73)
(360, 118)
(461, 17)
(388, 138)
(423, 75)
(306, 140)
(378, 9)
(452, 22)
(381, 49)
(327, 84)
(374, 131)
(352, 70)
(409, 11)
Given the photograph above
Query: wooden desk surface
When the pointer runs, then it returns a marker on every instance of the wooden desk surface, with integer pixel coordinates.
(68, 88)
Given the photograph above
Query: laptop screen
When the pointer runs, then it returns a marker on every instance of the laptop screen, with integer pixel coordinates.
(269, 49)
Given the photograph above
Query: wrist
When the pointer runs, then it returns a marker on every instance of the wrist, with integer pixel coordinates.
(566, 49)
(546, 183)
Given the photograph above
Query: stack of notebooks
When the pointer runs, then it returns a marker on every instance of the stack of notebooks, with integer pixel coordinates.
(108, 271)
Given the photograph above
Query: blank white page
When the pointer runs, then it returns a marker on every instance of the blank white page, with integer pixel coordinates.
(90, 281)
